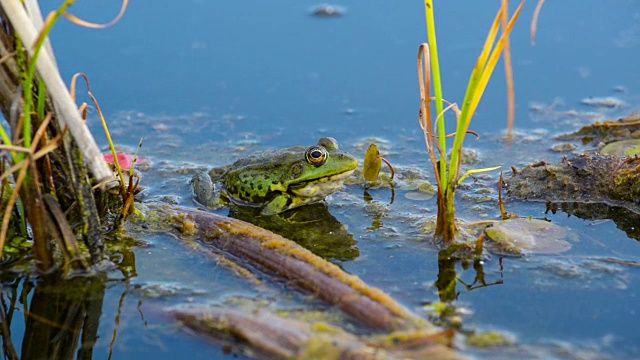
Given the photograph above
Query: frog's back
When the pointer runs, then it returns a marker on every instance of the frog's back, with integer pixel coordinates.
(254, 180)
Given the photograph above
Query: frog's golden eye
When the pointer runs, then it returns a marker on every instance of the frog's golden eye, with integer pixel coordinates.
(316, 155)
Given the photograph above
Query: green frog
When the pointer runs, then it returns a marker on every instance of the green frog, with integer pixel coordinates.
(279, 180)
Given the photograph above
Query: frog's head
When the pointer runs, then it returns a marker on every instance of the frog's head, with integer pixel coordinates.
(321, 172)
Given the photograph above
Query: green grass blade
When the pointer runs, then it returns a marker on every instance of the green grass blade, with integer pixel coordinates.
(490, 40)
(492, 62)
(31, 69)
(27, 99)
(7, 141)
(464, 119)
(42, 97)
(437, 88)
(477, 86)
(476, 171)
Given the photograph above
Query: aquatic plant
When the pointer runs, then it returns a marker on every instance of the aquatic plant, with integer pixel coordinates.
(373, 164)
(44, 152)
(127, 184)
(435, 133)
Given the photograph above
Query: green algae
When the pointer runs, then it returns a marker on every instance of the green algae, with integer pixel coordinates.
(489, 339)
(622, 148)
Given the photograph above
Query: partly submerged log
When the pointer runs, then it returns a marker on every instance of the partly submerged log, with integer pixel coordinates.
(276, 337)
(288, 260)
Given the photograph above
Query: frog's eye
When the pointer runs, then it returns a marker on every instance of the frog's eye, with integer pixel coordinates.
(316, 155)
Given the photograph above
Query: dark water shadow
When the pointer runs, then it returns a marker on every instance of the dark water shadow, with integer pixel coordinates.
(448, 278)
(61, 319)
(61, 314)
(311, 226)
(625, 219)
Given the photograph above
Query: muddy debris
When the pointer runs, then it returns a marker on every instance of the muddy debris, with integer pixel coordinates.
(622, 148)
(327, 11)
(586, 178)
(602, 133)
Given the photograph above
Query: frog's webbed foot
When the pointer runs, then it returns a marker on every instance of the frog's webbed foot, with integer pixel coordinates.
(203, 190)
(277, 205)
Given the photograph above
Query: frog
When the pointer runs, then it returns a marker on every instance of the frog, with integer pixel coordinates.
(280, 180)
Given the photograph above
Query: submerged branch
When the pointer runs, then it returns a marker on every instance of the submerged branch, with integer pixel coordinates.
(293, 339)
(290, 261)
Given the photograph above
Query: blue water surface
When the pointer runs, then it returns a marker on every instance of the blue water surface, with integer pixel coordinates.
(256, 75)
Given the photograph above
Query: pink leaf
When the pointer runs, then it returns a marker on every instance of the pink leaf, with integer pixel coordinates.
(125, 160)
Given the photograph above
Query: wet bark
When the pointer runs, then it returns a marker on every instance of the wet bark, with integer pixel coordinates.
(276, 337)
(288, 260)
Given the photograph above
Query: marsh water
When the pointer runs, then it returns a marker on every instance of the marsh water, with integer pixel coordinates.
(207, 82)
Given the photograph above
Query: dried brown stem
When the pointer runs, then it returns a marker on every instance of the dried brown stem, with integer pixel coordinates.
(534, 21)
(393, 172)
(503, 212)
(424, 79)
(68, 246)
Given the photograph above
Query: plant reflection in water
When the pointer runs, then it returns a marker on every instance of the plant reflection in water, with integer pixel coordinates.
(448, 277)
(61, 313)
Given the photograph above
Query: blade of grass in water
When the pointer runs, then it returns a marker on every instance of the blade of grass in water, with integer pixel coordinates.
(478, 83)
(437, 89)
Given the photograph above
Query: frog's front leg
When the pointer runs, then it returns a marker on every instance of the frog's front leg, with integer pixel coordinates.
(203, 190)
(277, 205)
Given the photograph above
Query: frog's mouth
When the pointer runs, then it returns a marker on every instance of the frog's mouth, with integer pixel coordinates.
(319, 188)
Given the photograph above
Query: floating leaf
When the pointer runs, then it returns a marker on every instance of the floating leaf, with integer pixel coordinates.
(372, 163)
(418, 196)
(520, 235)
(427, 188)
(622, 148)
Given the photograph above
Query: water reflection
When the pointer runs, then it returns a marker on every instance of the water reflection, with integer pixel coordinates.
(448, 277)
(311, 226)
(368, 198)
(59, 314)
(625, 219)
(376, 213)
(61, 319)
